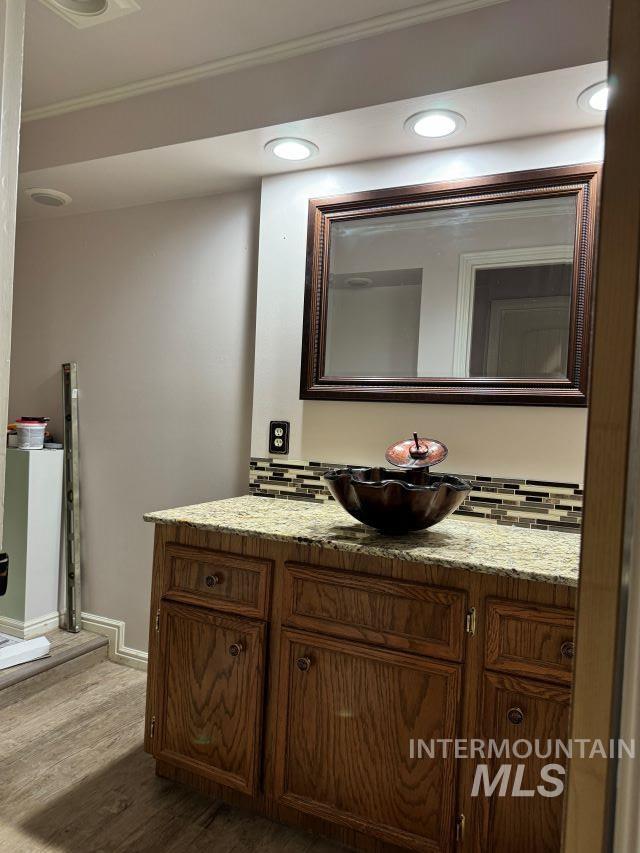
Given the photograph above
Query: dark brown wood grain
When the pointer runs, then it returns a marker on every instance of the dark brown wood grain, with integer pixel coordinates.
(529, 640)
(209, 704)
(343, 746)
(218, 579)
(397, 614)
(375, 624)
(579, 181)
(532, 824)
(162, 534)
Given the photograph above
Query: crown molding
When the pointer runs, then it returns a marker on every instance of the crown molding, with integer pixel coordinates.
(429, 11)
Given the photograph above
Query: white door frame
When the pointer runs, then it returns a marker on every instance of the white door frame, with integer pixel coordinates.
(501, 306)
(470, 263)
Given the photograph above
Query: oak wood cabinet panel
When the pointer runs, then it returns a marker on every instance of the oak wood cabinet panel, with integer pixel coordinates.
(529, 640)
(521, 708)
(333, 603)
(343, 745)
(385, 612)
(210, 694)
(218, 579)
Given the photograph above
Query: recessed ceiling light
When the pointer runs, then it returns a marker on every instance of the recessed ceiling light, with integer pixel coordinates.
(290, 148)
(435, 123)
(359, 281)
(89, 13)
(48, 197)
(595, 99)
(83, 7)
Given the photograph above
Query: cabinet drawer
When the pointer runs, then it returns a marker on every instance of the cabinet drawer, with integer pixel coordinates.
(381, 611)
(223, 581)
(530, 640)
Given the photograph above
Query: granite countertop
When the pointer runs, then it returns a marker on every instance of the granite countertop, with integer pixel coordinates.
(479, 546)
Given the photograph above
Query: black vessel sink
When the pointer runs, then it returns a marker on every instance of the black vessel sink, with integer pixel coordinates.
(396, 501)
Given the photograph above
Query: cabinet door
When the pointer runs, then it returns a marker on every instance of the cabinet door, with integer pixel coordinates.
(210, 694)
(347, 716)
(521, 709)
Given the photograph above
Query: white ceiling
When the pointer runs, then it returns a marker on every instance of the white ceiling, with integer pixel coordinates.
(526, 106)
(167, 36)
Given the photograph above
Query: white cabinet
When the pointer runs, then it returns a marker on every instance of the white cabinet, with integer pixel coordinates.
(32, 538)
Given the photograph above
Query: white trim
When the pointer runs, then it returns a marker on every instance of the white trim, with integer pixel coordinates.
(429, 11)
(499, 307)
(470, 263)
(114, 631)
(31, 627)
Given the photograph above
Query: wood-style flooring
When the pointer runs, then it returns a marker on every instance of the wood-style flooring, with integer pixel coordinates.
(74, 778)
(64, 648)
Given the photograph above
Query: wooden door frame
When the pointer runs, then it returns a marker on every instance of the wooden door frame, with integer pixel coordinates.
(607, 561)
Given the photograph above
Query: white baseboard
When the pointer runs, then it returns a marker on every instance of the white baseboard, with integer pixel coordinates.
(113, 630)
(31, 627)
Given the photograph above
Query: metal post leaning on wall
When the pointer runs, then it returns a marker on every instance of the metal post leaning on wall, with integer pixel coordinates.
(72, 619)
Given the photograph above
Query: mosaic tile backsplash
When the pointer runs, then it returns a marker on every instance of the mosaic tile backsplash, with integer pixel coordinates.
(537, 504)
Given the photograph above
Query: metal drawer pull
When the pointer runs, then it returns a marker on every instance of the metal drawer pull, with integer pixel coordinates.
(212, 580)
(235, 649)
(567, 649)
(304, 664)
(515, 716)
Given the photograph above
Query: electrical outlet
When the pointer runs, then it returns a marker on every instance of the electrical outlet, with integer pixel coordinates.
(279, 437)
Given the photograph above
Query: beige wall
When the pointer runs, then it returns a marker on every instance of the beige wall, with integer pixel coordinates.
(156, 304)
(508, 441)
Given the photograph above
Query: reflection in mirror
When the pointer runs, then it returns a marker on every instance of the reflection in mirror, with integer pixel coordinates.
(471, 291)
(474, 291)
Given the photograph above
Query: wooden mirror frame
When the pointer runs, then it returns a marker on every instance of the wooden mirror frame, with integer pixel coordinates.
(578, 180)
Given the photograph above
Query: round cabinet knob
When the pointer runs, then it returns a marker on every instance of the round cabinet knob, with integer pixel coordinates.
(567, 650)
(212, 580)
(515, 716)
(235, 649)
(304, 664)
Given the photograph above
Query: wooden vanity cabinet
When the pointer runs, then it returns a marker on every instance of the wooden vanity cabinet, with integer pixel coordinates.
(208, 710)
(218, 579)
(348, 715)
(523, 709)
(527, 639)
(294, 682)
(385, 612)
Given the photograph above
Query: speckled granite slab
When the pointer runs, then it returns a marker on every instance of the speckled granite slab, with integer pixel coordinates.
(474, 545)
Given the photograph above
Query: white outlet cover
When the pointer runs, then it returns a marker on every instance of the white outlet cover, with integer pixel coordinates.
(115, 9)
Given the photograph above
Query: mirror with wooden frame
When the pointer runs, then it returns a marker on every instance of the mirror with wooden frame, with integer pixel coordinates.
(473, 291)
